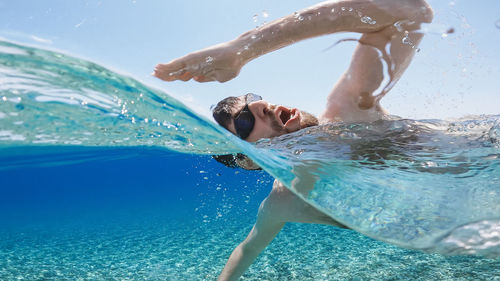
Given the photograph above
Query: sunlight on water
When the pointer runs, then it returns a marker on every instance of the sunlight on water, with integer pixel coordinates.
(431, 185)
(51, 98)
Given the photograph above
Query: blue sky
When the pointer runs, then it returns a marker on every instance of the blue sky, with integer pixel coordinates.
(450, 77)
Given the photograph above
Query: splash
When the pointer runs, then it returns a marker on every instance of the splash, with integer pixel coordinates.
(430, 185)
(51, 98)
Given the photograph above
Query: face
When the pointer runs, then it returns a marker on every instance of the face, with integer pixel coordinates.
(269, 120)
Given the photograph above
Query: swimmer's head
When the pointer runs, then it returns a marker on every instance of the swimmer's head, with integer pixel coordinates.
(251, 118)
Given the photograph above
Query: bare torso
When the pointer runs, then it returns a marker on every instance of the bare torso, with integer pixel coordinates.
(354, 98)
(288, 207)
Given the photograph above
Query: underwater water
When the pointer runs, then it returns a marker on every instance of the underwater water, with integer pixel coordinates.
(103, 177)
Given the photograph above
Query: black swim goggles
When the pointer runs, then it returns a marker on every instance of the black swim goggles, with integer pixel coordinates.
(244, 120)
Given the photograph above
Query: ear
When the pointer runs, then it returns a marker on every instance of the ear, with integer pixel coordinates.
(246, 163)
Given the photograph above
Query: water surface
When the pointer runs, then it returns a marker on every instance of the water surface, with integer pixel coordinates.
(430, 185)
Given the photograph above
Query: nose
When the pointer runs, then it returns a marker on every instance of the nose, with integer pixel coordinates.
(259, 108)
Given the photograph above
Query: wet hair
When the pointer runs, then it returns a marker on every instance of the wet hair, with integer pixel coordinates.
(222, 115)
(238, 160)
(222, 111)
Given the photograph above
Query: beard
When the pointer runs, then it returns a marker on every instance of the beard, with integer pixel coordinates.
(308, 120)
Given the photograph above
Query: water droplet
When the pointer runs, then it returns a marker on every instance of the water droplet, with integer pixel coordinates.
(333, 10)
(265, 14)
(406, 39)
(398, 26)
(497, 24)
(253, 36)
(209, 59)
(350, 9)
(368, 20)
(255, 18)
(4, 98)
(298, 16)
(343, 8)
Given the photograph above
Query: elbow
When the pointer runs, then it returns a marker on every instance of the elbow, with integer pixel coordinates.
(417, 11)
(426, 14)
(250, 249)
(420, 11)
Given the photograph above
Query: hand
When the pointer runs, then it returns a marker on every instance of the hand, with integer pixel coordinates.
(218, 63)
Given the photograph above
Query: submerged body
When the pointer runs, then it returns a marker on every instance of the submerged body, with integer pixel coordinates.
(384, 24)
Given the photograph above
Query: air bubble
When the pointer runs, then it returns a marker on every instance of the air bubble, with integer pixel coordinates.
(343, 8)
(209, 59)
(265, 14)
(333, 10)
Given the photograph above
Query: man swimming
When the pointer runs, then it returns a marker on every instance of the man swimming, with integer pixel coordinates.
(390, 35)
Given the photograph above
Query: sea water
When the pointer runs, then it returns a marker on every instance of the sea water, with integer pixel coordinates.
(103, 177)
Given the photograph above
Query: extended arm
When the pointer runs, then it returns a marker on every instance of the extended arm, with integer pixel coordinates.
(262, 233)
(223, 62)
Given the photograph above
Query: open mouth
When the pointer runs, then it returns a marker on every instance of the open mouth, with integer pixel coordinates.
(285, 116)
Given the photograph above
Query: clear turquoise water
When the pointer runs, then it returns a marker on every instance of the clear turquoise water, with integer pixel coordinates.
(104, 178)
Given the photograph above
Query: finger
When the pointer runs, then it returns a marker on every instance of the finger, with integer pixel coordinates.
(186, 76)
(162, 71)
(169, 71)
(202, 79)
